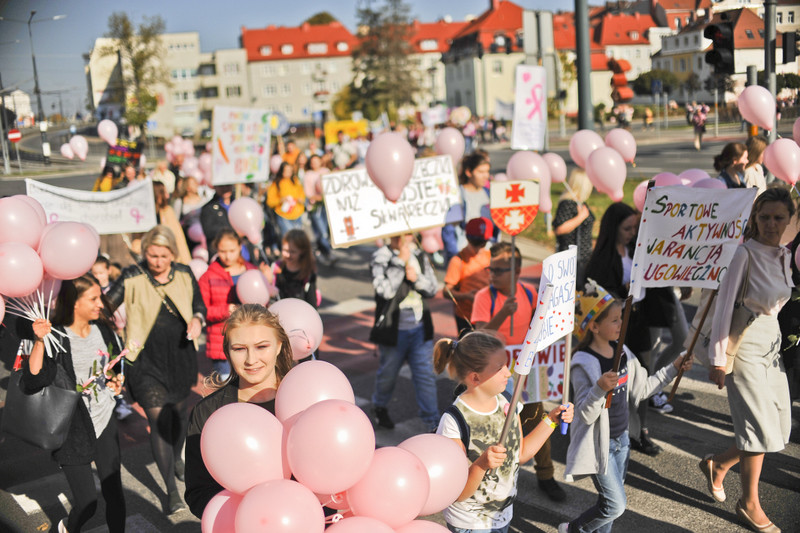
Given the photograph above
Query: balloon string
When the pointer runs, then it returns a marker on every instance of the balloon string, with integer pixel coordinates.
(334, 518)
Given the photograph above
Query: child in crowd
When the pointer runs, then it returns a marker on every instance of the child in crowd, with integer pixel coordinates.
(475, 421)
(474, 180)
(295, 274)
(467, 272)
(217, 285)
(599, 439)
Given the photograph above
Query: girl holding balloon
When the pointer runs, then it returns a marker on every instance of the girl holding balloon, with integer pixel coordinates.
(478, 361)
(260, 355)
(217, 288)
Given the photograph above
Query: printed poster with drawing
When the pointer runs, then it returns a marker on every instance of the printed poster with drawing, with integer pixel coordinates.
(359, 212)
(687, 236)
(530, 108)
(513, 204)
(545, 382)
(240, 145)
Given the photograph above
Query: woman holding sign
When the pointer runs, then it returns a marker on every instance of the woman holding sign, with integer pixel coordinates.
(747, 361)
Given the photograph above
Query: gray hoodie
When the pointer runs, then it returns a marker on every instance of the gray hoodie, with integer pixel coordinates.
(589, 437)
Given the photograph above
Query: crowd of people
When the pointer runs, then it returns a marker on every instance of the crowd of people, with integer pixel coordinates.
(146, 293)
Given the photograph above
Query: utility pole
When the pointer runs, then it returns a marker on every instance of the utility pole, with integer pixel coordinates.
(6, 166)
(769, 55)
(584, 65)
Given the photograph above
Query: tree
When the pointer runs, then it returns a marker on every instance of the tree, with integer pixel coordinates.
(320, 19)
(140, 50)
(642, 84)
(383, 78)
(782, 81)
(722, 82)
(692, 84)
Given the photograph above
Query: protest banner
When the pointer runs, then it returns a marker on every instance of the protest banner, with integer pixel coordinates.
(434, 116)
(351, 128)
(124, 152)
(530, 108)
(545, 380)
(359, 212)
(687, 236)
(128, 210)
(240, 147)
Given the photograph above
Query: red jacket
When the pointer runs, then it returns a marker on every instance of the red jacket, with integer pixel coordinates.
(218, 291)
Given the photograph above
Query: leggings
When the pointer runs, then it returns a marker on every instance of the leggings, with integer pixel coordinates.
(84, 493)
(168, 426)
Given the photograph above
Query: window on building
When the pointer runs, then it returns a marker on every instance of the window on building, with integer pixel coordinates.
(682, 65)
(283, 69)
(320, 86)
(696, 39)
(287, 108)
(634, 35)
(638, 53)
(335, 86)
(341, 46)
(497, 66)
(749, 34)
(790, 17)
(306, 88)
(779, 17)
(233, 91)
(269, 90)
(286, 89)
(268, 70)
(686, 41)
(317, 48)
(428, 45)
(331, 67)
(699, 64)
(287, 49)
(183, 73)
(231, 68)
(209, 92)
(207, 69)
(266, 50)
(664, 44)
(305, 67)
(761, 32)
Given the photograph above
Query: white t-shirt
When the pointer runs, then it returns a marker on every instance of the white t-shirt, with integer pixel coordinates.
(491, 506)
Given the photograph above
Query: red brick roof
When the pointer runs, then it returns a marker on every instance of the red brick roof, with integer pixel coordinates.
(624, 29)
(439, 31)
(506, 18)
(745, 20)
(303, 41)
(686, 5)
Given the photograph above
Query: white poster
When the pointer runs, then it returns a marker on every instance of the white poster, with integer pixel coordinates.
(687, 236)
(545, 382)
(359, 212)
(240, 147)
(128, 210)
(530, 108)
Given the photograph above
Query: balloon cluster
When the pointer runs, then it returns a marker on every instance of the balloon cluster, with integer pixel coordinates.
(326, 443)
(544, 169)
(693, 177)
(604, 160)
(77, 146)
(180, 150)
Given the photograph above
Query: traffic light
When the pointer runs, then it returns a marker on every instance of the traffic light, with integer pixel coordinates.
(721, 54)
(790, 51)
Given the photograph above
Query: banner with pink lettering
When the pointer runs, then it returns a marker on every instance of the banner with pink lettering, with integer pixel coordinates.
(530, 108)
(546, 379)
(687, 236)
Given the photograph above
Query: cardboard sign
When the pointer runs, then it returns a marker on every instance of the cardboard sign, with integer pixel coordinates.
(351, 128)
(128, 210)
(530, 108)
(240, 145)
(545, 381)
(687, 236)
(123, 153)
(359, 212)
(514, 204)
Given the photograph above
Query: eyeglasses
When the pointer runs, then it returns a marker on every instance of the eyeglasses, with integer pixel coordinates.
(498, 270)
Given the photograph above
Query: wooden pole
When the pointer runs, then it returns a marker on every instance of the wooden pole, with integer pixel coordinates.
(513, 281)
(626, 315)
(690, 349)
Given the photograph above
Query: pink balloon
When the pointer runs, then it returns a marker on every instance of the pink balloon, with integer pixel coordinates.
(198, 267)
(189, 166)
(200, 252)
(422, 526)
(447, 467)
(219, 515)
(309, 383)
(142, 161)
(500, 176)
(623, 142)
(241, 446)
(20, 269)
(94, 233)
(108, 131)
(545, 201)
(450, 142)
(693, 175)
(195, 232)
(2, 308)
(310, 182)
(757, 106)
(782, 158)
(66, 151)
(68, 250)
(710, 183)
(527, 166)
(607, 171)
(188, 147)
(330, 446)
(431, 240)
(796, 131)
(583, 143)
(394, 489)
(204, 163)
(359, 524)
(557, 166)
(390, 164)
(639, 194)
(80, 146)
(247, 218)
(49, 288)
(280, 506)
(169, 148)
(302, 323)
(275, 163)
(19, 222)
(667, 179)
(251, 288)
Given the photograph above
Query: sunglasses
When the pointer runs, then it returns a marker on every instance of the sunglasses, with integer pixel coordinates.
(498, 270)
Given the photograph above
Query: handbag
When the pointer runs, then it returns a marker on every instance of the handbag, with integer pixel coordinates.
(741, 318)
(43, 418)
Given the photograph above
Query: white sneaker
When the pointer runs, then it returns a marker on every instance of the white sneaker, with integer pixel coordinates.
(659, 403)
(563, 527)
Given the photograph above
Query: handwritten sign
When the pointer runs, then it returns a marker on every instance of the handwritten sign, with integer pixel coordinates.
(513, 204)
(124, 152)
(240, 145)
(128, 210)
(530, 108)
(687, 236)
(359, 212)
(546, 378)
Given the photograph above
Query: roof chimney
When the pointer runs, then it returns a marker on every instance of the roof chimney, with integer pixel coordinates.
(494, 4)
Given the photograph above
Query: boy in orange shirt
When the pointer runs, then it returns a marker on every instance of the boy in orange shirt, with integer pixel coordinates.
(467, 272)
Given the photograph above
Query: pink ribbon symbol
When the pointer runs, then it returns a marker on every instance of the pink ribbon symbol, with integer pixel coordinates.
(135, 214)
(536, 100)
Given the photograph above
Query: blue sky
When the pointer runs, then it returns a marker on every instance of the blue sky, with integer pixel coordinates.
(60, 44)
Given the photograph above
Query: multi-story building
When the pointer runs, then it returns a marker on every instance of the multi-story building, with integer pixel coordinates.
(677, 14)
(19, 102)
(429, 40)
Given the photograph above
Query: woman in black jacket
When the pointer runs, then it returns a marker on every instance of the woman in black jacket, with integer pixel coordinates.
(93, 435)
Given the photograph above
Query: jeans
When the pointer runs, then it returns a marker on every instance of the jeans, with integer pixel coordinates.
(319, 223)
(454, 529)
(284, 225)
(412, 347)
(611, 499)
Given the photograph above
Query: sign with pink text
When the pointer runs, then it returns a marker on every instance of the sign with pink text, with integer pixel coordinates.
(545, 382)
(530, 108)
(687, 236)
(128, 210)
(240, 145)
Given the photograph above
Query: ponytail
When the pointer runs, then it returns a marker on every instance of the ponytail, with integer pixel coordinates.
(470, 354)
